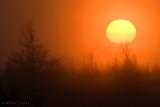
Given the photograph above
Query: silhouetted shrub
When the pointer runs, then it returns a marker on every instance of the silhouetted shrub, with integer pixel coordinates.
(32, 56)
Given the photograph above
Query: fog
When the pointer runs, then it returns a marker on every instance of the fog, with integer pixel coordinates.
(72, 29)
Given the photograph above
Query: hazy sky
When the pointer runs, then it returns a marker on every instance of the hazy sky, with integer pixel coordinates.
(73, 28)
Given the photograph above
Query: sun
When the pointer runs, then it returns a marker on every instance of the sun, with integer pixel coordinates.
(121, 31)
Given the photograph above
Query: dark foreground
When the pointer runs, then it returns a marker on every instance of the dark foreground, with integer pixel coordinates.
(112, 89)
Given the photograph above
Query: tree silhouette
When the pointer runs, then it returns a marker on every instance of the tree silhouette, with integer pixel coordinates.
(129, 59)
(72, 66)
(115, 65)
(90, 67)
(32, 56)
(90, 62)
(156, 70)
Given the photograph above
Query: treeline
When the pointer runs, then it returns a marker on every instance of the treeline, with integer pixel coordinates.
(33, 76)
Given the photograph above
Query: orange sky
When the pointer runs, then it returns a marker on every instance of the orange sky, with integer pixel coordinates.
(72, 29)
(81, 27)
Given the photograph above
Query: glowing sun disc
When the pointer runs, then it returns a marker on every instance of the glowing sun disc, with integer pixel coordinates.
(121, 31)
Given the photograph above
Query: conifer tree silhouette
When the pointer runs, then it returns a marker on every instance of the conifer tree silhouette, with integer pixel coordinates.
(32, 56)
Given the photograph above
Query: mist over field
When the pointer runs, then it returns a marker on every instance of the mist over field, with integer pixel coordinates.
(58, 53)
(32, 77)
